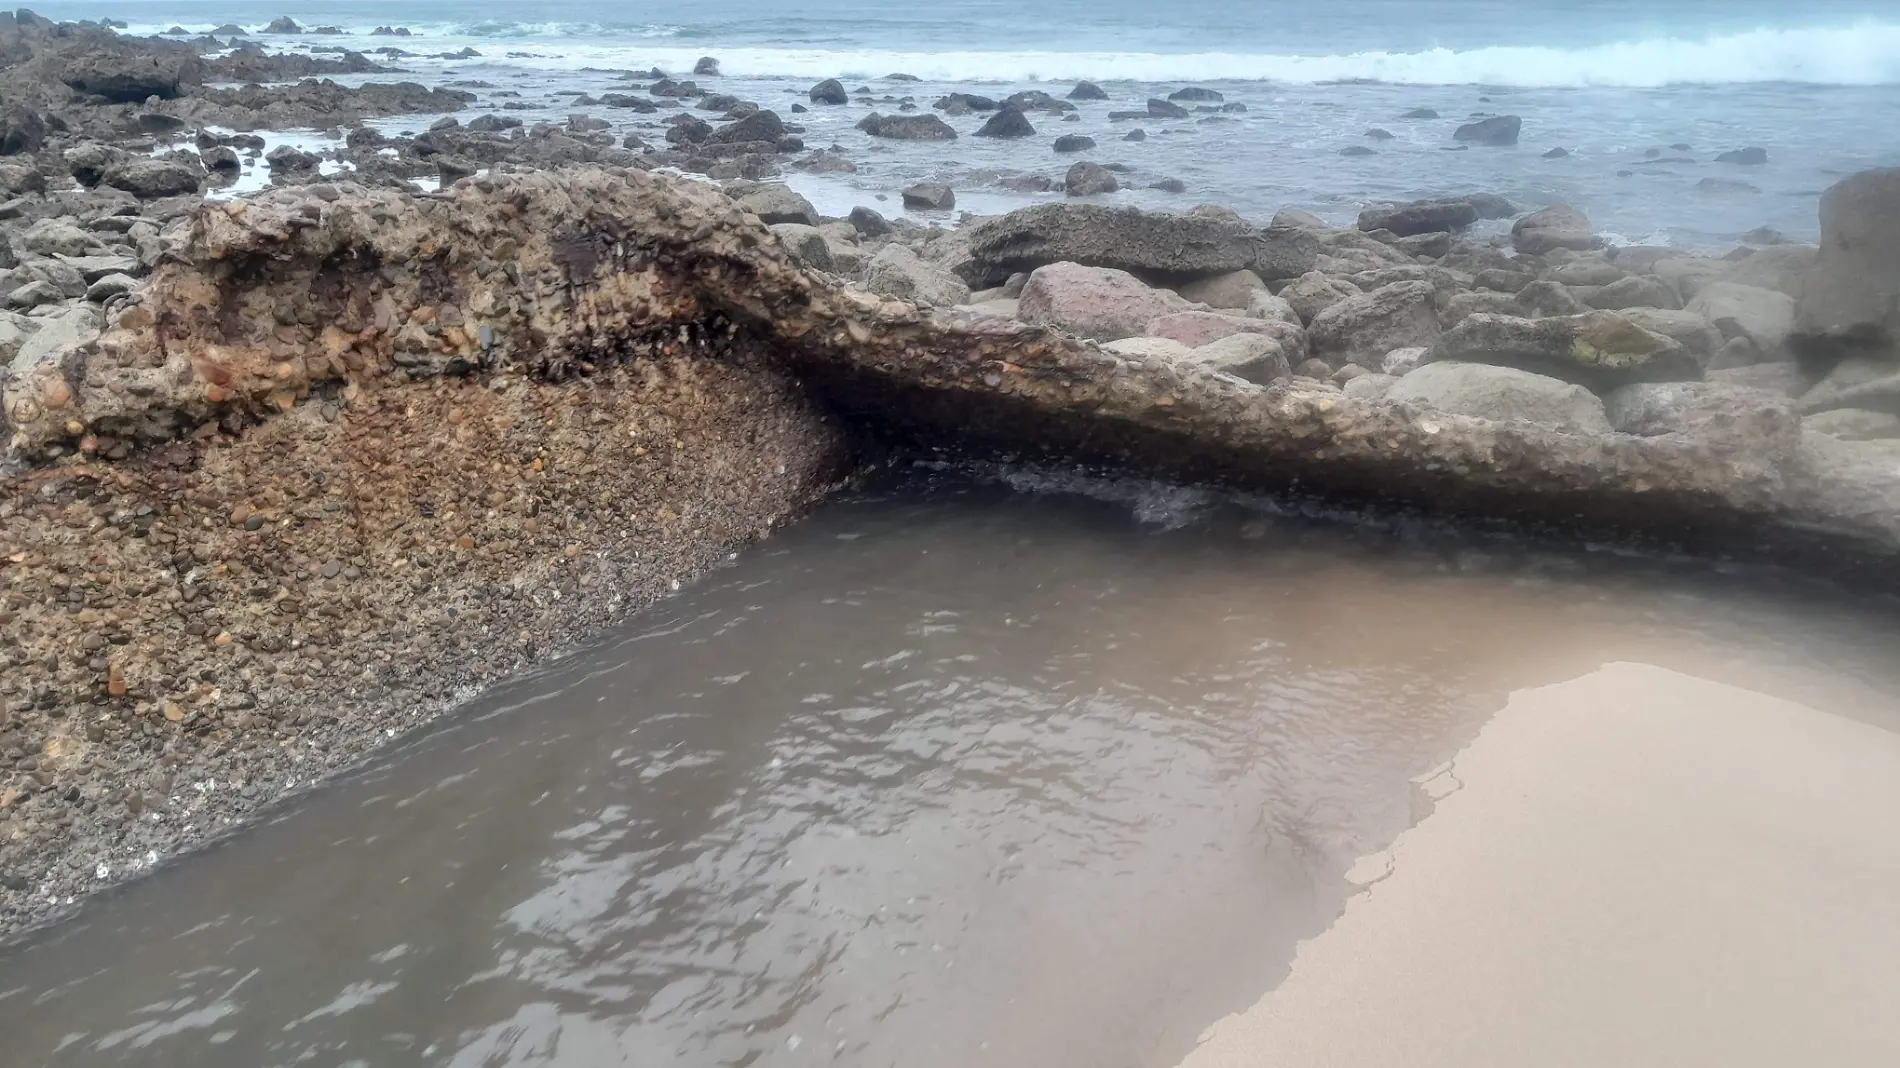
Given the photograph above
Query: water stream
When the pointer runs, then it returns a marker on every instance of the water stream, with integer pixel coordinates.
(948, 775)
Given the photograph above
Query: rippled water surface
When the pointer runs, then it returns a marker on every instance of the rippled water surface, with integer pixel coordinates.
(948, 775)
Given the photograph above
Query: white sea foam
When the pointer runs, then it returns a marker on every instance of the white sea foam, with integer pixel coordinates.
(1864, 53)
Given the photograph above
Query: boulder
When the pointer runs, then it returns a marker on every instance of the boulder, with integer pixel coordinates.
(1037, 100)
(896, 271)
(1165, 109)
(1847, 298)
(869, 223)
(1545, 298)
(1555, 227)
(773, 203)
(1634, 291)
(1074, 143)
(1781, 268)
(1371, 386)
(125, 75)
(1715, 412)
(1749, 157)
(21, 130)
(1007, 123)
(1087, 91)
(1688, 274)
(49, 237)
(1431, 246)
(756, 127)
(1362, 329)
(1691, 331)
(56, 336)
(151, 179)
(1872, 383)
(1587, 271)
(829, 91)
(1491, 206)
(1420, 217)
(1762, 317)
(109, 286)
(907, 127)
(1462, 306)
(805, 242)
(1265, 305)
(1089, 179)
(706, 65)
(282, 24)
(1496, 130)
(1154, 243)
(1314, 292)
(1401, 362)
(930, 196)
(14, 330)
(1502, 280)
(1253, 357)
(1853, 424)
(1230, 290)
(1600, 349)
(1502, 394)
(1782, 379)
(1195, 328)
(1294, 217)
(1093, 302)
(1144, 349)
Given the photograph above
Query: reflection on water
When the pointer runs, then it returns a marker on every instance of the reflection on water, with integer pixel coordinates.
(944, 777)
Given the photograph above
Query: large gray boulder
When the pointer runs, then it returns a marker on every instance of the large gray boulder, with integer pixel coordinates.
(124, 75)
(1555, 227)
(1599, 349)
(896, 271)
(1314, 292)
(1254, 357)
(1761, 317)
(49, 346)
(1850, 298)
(1157, 244)
(1363, 328)
(1231, 290)
(1782, 268)
(1687, 329)
(1634, 291)
(151, 179)
(1498, 130)
(1715, 412)
(1420, 217)
(773, 203)
(1502, 394)
(1093, 302)
(907, 127)
(1869, 382)
(1087, 179)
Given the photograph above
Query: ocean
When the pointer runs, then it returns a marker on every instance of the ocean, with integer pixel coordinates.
(1616, 84)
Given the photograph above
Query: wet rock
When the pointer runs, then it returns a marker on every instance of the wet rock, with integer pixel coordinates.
(772, 203)
(1362, 328)
(1136, 134)
(1037, 100)
(1134, 240)
(1377, 134)
(930, 196)
(1420, 113)
(1166, 109)
(1007, 123)
(870, 223)
(1502, 394)
(1751, 157)
(907, 127)
(829, 91)
(1725, 185)
(1761, 317)
(127, 75)
(22, 130)
(1089, 179)
(688, 130)
(282, 24)
(1556, 227)
(1847, 298)
(151, 179)
(1496, 130)
(1087, 91)
(1556, 153)
(1852, 424)
(1313, 292)
(1093, 302)
(1357, 150)
(1714, 412)
(1782, 268)
(1598, 349)
(1074, 143)
(222, 159)
(1169, 185)
(1230, 290)
(1195, 328)
(896, 271)
(1544, 298)
(286, 158)
(706, 66)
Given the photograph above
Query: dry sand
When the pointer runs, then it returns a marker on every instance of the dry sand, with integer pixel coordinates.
(1634, 868)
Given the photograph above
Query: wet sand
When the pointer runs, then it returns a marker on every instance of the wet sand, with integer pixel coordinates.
(1635, 868)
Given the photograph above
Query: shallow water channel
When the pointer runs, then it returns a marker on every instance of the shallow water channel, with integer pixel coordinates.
(949, 774)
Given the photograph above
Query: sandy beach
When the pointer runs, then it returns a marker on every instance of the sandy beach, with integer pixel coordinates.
(1634, 868)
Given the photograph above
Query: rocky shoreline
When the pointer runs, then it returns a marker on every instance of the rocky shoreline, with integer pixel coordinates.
(291, 474)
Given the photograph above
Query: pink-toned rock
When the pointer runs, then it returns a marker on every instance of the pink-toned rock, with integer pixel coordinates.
(1197, 328)
(1093, 302)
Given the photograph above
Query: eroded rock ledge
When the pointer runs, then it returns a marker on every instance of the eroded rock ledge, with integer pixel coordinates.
(349, 452)
(560, 274)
